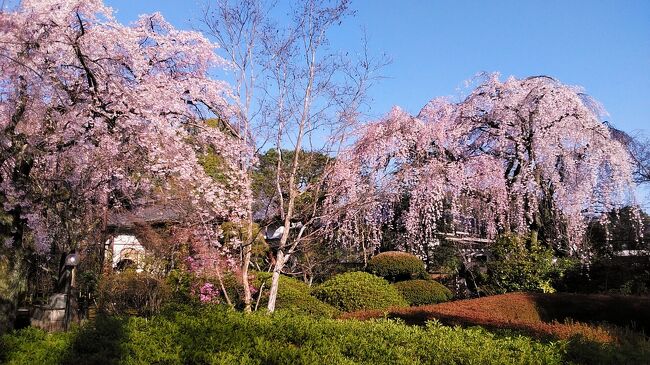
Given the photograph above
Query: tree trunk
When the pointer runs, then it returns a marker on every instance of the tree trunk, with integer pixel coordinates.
(275, 280)
(248, 248)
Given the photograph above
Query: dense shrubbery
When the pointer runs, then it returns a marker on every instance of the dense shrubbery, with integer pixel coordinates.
(444, 258)
(234, 232)
(216, 336)
(294, 296)
(519, 265)
(421, 292)
(358, 290)
(617, 275)
(397, 266)
(234, 288)
(132, 293)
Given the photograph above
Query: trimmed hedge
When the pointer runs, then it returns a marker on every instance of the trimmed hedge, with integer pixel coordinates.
(541, 315)
(213, 335)
(397, 266)
(422, 292)
(293, 295)
(358, 290)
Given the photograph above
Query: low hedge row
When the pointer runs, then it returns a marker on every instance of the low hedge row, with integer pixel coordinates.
(542, 315)
(218, 336)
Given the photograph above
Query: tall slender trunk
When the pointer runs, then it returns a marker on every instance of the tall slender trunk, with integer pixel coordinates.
(293, 193)
(275, 280)
(248, 248)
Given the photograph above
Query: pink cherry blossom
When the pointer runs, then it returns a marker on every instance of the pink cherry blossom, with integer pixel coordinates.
(529, 156)
(96, 116)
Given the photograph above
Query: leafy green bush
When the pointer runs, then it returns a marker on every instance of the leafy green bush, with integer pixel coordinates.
(397, 266)
(234, 287)
(34, 346)
(616, 275)
(132, 293)
(215, 335)
(358, 290)
(13, 283)
(179, 282)
(445, 258)
(293, 295)
(421, 292)
(520, 265)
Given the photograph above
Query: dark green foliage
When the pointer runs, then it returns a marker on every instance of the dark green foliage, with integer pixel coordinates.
(422, 292)
(233, 285)
(310, 170)
(396, 266)
(519, 265)
(358, 290)
(214, 335)
(13, 284)
(132, 293)
(617, 275)
(294, 295)
(627, 229)
(179, 282)
(444, 258)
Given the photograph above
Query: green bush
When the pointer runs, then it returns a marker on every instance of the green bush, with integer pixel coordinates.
(397, 266)
(179, 282)
(132, 293)
(422, 292)
(214, 335)
(234, 287)
(520, 265)
(358, 290)
(445, 258)
(34, 346)
(617, 275)
(293, 295)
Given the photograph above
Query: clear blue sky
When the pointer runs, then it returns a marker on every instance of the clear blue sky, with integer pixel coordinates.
(602, 45)
(435, 46)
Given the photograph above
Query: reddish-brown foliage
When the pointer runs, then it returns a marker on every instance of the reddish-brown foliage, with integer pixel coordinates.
(541, 315)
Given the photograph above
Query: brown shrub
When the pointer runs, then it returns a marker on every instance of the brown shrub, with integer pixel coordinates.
(132, 293)
(540, 315)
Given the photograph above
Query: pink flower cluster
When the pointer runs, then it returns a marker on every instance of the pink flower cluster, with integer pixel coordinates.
(208, 293)
(517, 155)
(102, 113)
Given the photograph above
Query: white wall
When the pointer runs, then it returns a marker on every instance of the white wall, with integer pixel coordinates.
(126, 247)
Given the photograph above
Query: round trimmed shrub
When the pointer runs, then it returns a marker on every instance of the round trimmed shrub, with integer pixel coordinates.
(293, 295)
(397, 266)
(358, 290)
(422, 292)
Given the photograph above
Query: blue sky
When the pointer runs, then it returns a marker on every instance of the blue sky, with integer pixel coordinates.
(435, 46)
(603, 46)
